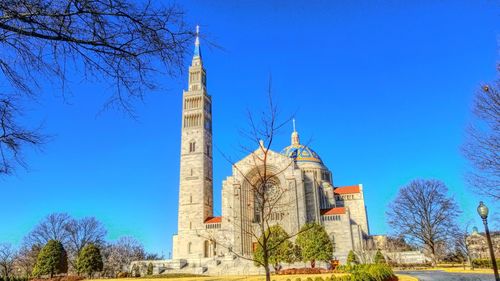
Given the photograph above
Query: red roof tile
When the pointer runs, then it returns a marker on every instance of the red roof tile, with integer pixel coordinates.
(347, 189)
(333, 211)
(213, 220)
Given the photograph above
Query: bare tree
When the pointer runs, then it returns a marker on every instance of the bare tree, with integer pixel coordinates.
(483, 141)
(82, 232)
(118, 256)
(7, 258)
(52, 227)
(462, 245)
(268, 196)
(119, 42)
(26, 258)
(423, 214)
(14, 137)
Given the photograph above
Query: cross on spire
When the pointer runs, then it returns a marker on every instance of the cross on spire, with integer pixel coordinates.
(197, 51)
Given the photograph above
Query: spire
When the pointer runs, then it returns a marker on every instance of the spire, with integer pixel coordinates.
(197, 51)
(295, 135)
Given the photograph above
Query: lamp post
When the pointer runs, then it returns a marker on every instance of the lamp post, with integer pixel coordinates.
(482, 210)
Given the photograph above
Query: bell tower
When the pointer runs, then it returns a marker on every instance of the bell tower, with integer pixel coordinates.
(196, 187)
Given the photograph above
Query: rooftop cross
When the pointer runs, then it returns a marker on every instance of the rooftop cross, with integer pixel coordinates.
(197, 52)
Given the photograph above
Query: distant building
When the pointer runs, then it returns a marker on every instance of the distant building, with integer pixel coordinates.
(478, 245)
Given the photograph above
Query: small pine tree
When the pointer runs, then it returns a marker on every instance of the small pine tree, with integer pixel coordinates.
(379, 258)
(149, 271)
(351, 258)
(89, 260)
(51, 260)
(314, 243)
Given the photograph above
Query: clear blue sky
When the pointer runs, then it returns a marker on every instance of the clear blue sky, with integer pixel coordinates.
(382, 88)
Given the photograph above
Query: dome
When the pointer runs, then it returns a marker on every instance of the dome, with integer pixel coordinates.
(301, 153)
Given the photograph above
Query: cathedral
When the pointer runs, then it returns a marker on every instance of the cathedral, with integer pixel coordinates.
(310, 193)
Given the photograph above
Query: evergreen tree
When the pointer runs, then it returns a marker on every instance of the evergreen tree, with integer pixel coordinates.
(351, 258)
(281, 249)
(89, 260)
(314, 243)
(51, 260)
(150, 269)
(379, 258)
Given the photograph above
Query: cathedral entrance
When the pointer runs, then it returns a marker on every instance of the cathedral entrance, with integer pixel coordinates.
(209, 248)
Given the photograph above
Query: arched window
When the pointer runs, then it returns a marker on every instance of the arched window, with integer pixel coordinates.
(192, 146)
(334, 245)
(189, 248)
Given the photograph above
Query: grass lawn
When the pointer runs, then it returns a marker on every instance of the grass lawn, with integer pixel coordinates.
(243, 278)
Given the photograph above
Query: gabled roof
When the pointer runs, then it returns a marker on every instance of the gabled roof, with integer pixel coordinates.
(213, 220)
(333, 211)
(347, 189)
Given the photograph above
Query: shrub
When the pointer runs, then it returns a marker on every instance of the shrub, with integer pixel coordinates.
(379, 258)
(367, 272)
(122, 275)
(297, 279)
(149, 271)
(318, 279)
(309, 279)
(483, 263)
(351, 258)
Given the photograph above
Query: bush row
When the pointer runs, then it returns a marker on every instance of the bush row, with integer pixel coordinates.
(13, 279)
(364, 272)
(483, 263)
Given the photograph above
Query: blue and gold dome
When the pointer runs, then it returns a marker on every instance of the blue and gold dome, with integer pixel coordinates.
(300, 152)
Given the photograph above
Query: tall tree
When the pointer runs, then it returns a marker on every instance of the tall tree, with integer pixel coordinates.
(314, 243)
(52, 227)
(424, 214)
(82, 232)
(119, 42)
(7, 258)
(89, 260)
(51, 260)
(482, 147)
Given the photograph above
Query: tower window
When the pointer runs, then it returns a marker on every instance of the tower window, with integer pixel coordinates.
(192, 146)
(208, 150)
(189, 248)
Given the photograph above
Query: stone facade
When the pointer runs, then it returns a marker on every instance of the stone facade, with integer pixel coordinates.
(305, 183)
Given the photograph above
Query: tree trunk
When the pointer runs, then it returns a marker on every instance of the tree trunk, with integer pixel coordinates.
(313, 263)
(268, 273)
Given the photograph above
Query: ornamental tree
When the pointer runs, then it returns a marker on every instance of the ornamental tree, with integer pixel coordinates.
(89, 260)
(379, 258)
(314, 243)
(351, 258)
(279, 245)
(51, 260)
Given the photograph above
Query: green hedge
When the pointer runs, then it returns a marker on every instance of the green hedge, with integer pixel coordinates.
(483, 263)
(366, 272)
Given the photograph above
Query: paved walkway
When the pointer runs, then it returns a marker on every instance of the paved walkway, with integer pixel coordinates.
(435, 275)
